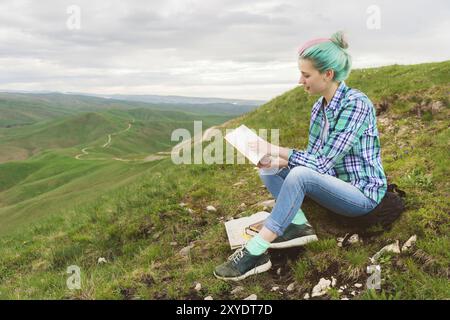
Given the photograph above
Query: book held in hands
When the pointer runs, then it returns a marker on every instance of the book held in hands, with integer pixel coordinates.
(241, 137)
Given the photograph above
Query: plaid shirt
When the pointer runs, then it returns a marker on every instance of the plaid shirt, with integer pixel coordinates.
(351, 152)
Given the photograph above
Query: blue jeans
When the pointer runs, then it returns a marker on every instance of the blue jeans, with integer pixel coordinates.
(289, 188)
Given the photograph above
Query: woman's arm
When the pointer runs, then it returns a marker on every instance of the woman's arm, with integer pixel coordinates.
(272, 150)
(277, 151)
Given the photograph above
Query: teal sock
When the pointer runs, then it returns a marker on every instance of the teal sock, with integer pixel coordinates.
(257, 245)
(299, 218)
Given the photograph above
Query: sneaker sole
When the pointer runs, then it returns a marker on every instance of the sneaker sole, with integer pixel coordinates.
(259, 269)
(297, 242)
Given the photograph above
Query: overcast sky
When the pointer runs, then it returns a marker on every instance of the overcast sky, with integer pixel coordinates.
(210, 48)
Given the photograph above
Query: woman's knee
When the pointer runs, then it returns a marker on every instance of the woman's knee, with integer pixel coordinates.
(300, 174)
(300, 171)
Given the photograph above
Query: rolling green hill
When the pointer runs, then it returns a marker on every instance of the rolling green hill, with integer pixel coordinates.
(60, 133)
(150, 132)
(32, 189)
(141, 228)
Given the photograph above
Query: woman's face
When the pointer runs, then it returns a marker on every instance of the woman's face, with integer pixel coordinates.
(312, 80)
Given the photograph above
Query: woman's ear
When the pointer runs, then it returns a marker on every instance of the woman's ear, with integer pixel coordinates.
(329, 74)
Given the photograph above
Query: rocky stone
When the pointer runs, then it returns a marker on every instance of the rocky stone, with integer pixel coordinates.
(333, 281)
(354, 238)
(275, 288)
(198, 286)
(211, 209)
(291, 287)
(348, 240)
(409, 243)
(358, 285)
(101, 260)
(306, 296)
(186, 250)
(393, 247)
(156, 236)
(321, 288)
(251, 297)
(209, 298)
(237, 290)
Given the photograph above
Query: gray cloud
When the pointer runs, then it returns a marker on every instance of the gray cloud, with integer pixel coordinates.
(202, 48)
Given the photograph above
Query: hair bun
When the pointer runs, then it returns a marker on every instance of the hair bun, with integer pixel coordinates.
(339, 39)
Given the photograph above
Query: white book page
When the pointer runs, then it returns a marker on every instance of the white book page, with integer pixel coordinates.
(236, 228)
(240, 138)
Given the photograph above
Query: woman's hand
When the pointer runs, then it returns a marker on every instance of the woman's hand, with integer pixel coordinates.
(272, 163)
(262, 147)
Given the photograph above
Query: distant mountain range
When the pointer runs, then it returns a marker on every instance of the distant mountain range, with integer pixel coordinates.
(180, 99)
(151, 98)
(20, 107)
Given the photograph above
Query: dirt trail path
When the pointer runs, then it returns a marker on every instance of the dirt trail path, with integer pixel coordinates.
(151, 157)
(107, 144)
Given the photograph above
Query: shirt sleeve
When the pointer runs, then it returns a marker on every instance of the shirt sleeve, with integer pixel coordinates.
(290, 152)
(350, 126)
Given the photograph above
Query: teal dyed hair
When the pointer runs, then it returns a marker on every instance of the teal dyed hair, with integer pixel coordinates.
(330, 55)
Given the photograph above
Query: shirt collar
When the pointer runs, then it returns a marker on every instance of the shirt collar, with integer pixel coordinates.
(335, 101)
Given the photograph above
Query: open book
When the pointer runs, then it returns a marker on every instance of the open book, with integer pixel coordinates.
(239, 231)
(240, 139)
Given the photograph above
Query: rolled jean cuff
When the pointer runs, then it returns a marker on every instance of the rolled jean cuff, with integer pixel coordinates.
(273, 226)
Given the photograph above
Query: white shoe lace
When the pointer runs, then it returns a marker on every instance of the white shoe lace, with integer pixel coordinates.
(237, 255)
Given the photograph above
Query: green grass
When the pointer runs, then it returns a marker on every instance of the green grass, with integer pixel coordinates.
(141, 227)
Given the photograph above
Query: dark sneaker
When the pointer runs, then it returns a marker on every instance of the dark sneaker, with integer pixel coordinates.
(242, 264)
(295, 235)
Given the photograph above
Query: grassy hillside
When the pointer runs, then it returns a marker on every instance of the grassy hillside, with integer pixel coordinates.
(30, 190)
(141, 228)
(22, 142)
(150, 132)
